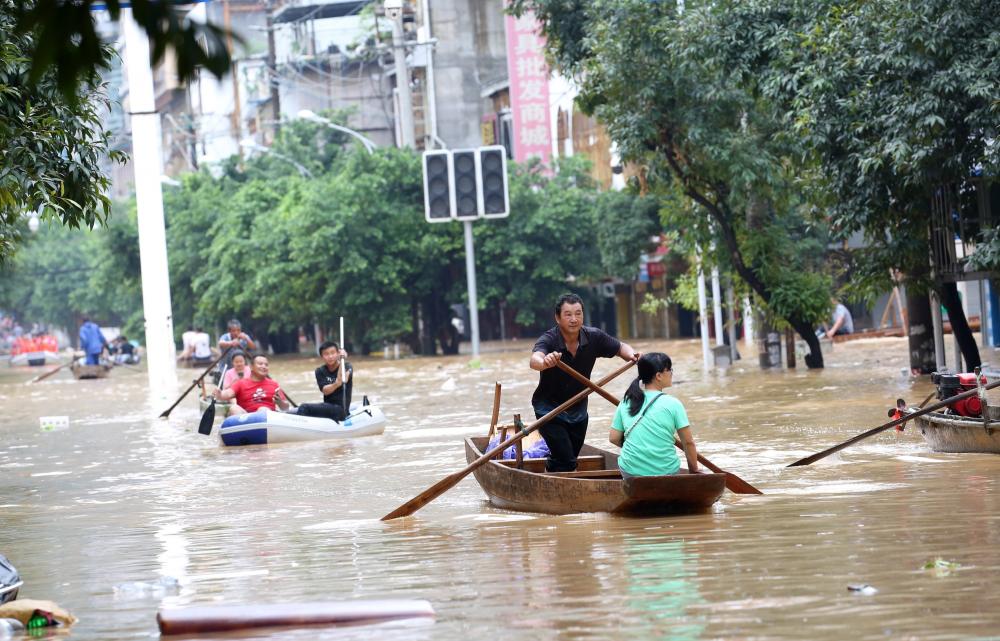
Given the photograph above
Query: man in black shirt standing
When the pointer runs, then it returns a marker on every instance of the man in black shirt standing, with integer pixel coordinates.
(579, 347)
(332, 383)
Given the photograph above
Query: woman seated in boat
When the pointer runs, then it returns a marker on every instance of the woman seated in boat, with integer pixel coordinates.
(647, 421)
(239, 370)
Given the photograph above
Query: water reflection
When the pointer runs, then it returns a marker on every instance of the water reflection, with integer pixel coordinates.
(660, 590)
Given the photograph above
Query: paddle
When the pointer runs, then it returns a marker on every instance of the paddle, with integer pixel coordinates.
(734, 483)
(42, 377)
(166, 412)
(452, 480)
(208, 418)
(899, 421)
(343, 372)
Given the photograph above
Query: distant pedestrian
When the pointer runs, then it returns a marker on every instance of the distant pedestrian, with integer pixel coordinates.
(841, 322)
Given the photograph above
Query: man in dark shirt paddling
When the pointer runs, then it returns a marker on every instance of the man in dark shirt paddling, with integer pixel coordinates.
(579, 347)
(332, 382)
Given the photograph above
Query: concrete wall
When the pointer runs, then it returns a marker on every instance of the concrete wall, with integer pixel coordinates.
(470, 55)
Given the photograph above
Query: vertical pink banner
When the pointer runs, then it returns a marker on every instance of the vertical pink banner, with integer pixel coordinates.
(529, 88)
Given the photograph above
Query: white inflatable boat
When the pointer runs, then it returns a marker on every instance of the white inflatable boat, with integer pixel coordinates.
(267, 426)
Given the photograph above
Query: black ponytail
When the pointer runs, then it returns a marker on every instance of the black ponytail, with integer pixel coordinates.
(649, 366)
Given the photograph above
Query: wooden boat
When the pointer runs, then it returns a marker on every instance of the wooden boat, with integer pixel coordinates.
(81, 371)
(266, 426)
(953, 433)
(596, 486)
(207, 619)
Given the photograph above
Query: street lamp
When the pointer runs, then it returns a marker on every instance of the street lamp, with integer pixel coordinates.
(253, 146)
(307, 114)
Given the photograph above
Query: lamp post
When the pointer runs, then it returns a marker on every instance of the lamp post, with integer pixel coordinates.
(307, 114)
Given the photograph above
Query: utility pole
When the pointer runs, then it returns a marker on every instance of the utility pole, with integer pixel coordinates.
(237, 117)
(147, 163)
(272, 68)
(394, 10)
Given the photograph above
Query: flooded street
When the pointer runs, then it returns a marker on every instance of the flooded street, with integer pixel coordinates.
(122, 513)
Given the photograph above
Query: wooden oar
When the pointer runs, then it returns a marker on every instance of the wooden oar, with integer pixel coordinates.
(881, 428)
(452, 480)
(42, 377)
(167, 411)
(496, 410)
(734, 483)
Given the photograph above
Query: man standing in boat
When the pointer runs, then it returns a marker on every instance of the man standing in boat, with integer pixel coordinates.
(579, 347)
(335, 384)
(92, 341)
(255, 391)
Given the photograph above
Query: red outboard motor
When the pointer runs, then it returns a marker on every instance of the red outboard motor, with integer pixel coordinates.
(949, 385)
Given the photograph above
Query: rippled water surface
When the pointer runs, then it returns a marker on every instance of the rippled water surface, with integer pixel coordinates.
(121, 513)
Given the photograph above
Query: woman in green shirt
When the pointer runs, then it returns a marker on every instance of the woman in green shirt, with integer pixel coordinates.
(647, 421)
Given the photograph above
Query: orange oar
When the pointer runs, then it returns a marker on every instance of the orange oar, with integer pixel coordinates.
(733, 483)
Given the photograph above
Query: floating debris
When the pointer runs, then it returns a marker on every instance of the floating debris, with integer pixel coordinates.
(940, 567)
(142, 589)
(862, 588)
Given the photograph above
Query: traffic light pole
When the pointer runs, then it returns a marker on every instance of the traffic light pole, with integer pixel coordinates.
(470, 278)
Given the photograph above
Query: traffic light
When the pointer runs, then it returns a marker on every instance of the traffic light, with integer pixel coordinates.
(493, 182)
(465, 184)
(438, 204)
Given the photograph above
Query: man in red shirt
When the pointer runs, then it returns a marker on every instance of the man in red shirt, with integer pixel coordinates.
(253, 392)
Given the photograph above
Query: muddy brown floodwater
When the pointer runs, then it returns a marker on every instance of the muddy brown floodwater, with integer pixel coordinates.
(121, 513)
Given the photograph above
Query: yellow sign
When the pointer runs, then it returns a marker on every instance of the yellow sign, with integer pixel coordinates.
(488, 133)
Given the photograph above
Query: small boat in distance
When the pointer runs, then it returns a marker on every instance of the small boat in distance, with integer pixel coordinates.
(82, 371)
(267, 426)
(596, 486)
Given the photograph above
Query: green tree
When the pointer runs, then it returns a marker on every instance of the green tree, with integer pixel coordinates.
(69, 48)
(50, 147)
(650, 73)
(894, 101)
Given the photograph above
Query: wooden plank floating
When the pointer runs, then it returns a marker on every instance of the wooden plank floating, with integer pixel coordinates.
(224, 618)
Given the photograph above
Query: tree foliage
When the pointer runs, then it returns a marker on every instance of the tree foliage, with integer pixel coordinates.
(653, 74)
(50, 148)
(281, 251)
(69, 46)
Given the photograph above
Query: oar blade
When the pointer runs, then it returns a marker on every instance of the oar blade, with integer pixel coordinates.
(736, 485)
(207, 419)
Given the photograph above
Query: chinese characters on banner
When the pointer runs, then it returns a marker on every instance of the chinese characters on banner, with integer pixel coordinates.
(529, 88)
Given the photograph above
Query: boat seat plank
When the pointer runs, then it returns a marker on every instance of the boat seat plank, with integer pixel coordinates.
(587, 463)
(593, 474)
